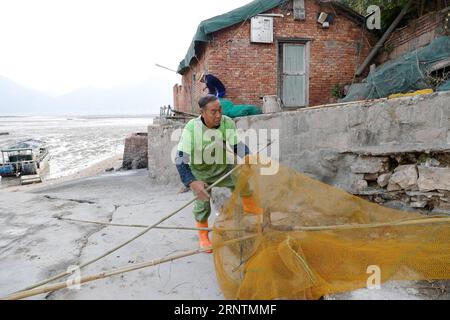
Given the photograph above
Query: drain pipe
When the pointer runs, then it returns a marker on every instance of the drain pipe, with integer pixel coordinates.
(383, 39)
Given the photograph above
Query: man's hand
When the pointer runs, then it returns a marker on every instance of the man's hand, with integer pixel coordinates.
(198, 187)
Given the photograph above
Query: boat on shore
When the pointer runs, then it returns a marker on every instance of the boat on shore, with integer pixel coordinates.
(27, 160)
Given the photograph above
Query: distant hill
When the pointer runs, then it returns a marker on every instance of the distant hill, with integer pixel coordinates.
(141, 98)
(15, 99)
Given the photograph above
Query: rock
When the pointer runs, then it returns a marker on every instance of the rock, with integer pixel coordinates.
(109, 170)
(404, 177)
(419, 204)
(361, 185)
(370, 165)
(220, 196)
(383, 180)
(378, 200)
(371, 176)
(431, 179)
(442, 207)
(432, 163)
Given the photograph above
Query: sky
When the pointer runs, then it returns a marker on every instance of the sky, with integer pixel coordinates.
(58, 46)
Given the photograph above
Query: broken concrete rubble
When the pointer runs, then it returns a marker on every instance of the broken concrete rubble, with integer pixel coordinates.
(135, 154)
(383, 180)
(404, 177)
(431, 179)
(361, 185)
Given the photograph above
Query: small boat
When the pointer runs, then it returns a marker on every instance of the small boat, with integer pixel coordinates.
(26, 160)
(4, 133)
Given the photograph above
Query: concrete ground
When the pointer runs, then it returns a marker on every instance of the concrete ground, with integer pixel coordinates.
(35, 245)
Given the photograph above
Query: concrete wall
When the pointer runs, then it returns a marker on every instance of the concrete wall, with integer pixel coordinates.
(160, 165)
(312, 139)
(351, 146)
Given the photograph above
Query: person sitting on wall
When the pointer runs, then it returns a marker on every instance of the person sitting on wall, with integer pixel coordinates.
(214, 85)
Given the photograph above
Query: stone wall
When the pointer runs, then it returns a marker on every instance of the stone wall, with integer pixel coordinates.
(135, 152)
(371, 149)
(394, 152)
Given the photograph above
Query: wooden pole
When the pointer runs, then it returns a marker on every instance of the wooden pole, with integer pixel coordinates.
(61, 285)
(409, 222)
(384, 38)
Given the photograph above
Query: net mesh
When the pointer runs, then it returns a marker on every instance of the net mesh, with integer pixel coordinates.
(315, 240)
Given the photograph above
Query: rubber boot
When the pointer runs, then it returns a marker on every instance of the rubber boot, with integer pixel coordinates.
(203, 236)
(250, 206)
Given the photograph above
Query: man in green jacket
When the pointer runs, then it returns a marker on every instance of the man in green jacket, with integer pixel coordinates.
(202, 160)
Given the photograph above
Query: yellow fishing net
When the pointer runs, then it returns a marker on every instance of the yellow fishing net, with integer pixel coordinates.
(314, 240)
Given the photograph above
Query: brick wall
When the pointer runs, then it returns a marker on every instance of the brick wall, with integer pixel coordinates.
(416, 34)
(250, 71)
(186, 96)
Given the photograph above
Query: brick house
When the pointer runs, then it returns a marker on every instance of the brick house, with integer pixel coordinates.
(300, 62)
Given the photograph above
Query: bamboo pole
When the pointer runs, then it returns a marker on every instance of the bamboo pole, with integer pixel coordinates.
(324, 106)
(146, 226)
(64, 284)
(61, 285)
(409, 222)
(132, 225)
(66, 273)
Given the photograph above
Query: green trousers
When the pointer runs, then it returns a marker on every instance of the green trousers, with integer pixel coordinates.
(202, 209)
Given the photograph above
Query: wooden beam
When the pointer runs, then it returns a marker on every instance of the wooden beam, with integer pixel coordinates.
(383, 39)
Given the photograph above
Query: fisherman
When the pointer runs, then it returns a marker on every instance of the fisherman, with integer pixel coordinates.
(203, 136)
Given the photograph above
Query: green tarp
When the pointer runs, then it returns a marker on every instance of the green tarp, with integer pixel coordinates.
(404, 74)
(207, 27)
(445, 86)
(239, 110)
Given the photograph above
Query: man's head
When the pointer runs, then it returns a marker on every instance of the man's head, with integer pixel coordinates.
(211, 110)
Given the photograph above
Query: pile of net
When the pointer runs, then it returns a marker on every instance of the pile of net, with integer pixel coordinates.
(238, 110)
(410, 72)
(314, 240)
